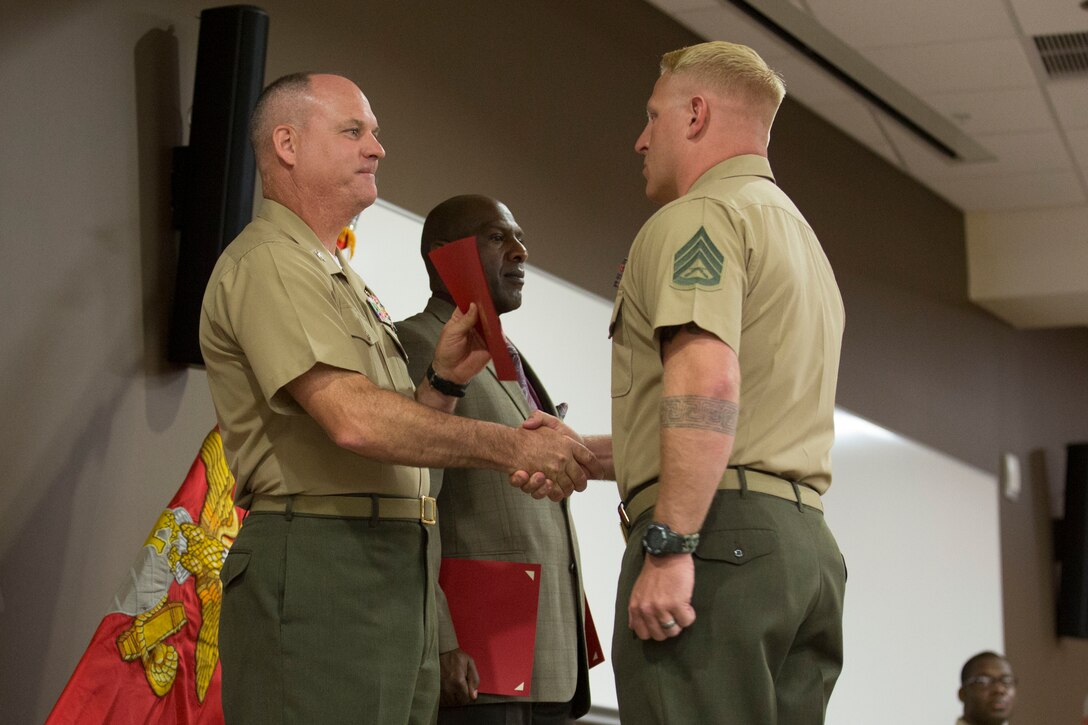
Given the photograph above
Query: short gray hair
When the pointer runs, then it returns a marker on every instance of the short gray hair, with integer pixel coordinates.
(278, 103)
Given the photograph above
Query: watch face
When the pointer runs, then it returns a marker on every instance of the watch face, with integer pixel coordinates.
(659, 539)
(655, 538)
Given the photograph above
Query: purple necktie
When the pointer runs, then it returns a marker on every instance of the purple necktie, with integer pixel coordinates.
(523, 382)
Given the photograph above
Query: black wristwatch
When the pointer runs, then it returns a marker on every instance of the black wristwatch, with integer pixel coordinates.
(446, 387)
(660, 540)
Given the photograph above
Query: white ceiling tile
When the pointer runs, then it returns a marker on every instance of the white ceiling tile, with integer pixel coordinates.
(1016, 154)
(1042, 17)
(1029, 191)
(853, 117)
(1070, 99)
(894, 22)
(995, 111)
(810, 83)
(1019, 153)
(956, 67)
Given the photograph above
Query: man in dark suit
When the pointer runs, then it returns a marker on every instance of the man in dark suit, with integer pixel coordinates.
(480, 516)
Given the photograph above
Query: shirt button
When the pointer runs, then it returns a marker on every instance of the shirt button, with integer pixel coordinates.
(739, 553)
(572, 566)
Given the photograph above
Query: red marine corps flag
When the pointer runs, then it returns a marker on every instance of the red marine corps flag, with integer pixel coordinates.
(155, 656)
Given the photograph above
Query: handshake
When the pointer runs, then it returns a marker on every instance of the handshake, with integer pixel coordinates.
(561, 460)
(545, 457)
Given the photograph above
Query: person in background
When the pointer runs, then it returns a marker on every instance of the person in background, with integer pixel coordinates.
(479, 513)
(987, 690)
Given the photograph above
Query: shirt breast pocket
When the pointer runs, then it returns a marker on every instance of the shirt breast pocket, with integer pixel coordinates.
(396, 360)
(621, 350)
(358, 327)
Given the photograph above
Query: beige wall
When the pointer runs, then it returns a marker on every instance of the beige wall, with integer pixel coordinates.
(537, 103)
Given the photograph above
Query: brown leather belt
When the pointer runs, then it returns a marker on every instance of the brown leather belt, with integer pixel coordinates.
(363, 506)
(736, 478)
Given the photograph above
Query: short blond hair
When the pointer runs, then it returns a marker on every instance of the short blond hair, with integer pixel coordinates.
(731, 68)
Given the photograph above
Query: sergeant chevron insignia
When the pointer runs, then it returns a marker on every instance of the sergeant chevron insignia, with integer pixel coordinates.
(698, 263)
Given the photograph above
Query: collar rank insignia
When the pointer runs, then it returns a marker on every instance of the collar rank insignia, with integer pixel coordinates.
(379, 308)
(698, 263)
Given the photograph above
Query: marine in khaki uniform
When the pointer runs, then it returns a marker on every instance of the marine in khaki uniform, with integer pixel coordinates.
(480, 516)
(726, 335)
(726, 332)
(328, 610)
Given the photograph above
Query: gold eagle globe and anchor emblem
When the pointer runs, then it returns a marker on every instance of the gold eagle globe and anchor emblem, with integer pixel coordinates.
(178, 549)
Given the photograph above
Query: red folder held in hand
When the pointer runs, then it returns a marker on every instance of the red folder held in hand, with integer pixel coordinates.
(493, 605)
(458, 264)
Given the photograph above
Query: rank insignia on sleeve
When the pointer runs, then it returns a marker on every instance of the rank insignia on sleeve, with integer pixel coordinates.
(698, 263)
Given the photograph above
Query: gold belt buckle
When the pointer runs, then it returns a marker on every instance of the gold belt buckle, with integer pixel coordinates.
(428, 510)
(625, 520)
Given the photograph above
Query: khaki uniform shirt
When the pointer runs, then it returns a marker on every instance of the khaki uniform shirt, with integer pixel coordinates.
(734, 256)
(276, 305)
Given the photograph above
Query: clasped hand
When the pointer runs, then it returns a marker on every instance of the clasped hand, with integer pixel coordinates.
(571, 474)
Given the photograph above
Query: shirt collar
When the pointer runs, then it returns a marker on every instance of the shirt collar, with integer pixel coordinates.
(293, 226)
(746, 165)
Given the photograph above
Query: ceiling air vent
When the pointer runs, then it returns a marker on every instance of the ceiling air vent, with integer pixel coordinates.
(1063, 54)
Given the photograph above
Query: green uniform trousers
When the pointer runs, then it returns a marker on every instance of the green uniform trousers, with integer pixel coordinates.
(766, 645)
(328, 620)
(507, 713)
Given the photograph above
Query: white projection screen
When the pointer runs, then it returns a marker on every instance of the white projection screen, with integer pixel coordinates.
(919, 530)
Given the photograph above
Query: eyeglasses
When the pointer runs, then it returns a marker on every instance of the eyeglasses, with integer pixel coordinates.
(984, 682)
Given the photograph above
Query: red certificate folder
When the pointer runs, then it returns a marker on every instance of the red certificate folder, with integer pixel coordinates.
(594, 653)
(493, 605)
(458, 264)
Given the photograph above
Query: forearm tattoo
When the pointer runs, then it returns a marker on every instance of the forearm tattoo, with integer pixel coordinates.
(697, 411)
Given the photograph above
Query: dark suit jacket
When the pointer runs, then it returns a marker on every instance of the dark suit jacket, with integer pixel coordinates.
(481, 516)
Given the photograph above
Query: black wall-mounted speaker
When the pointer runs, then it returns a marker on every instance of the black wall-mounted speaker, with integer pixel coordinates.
(1073, 550)
(214, 176)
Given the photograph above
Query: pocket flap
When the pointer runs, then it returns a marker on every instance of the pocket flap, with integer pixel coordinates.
(358, 326)
(234, 566)
(736, 546)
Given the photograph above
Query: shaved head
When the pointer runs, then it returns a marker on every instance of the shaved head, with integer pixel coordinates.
(499, 241)
(316, 141)
(454, 219)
